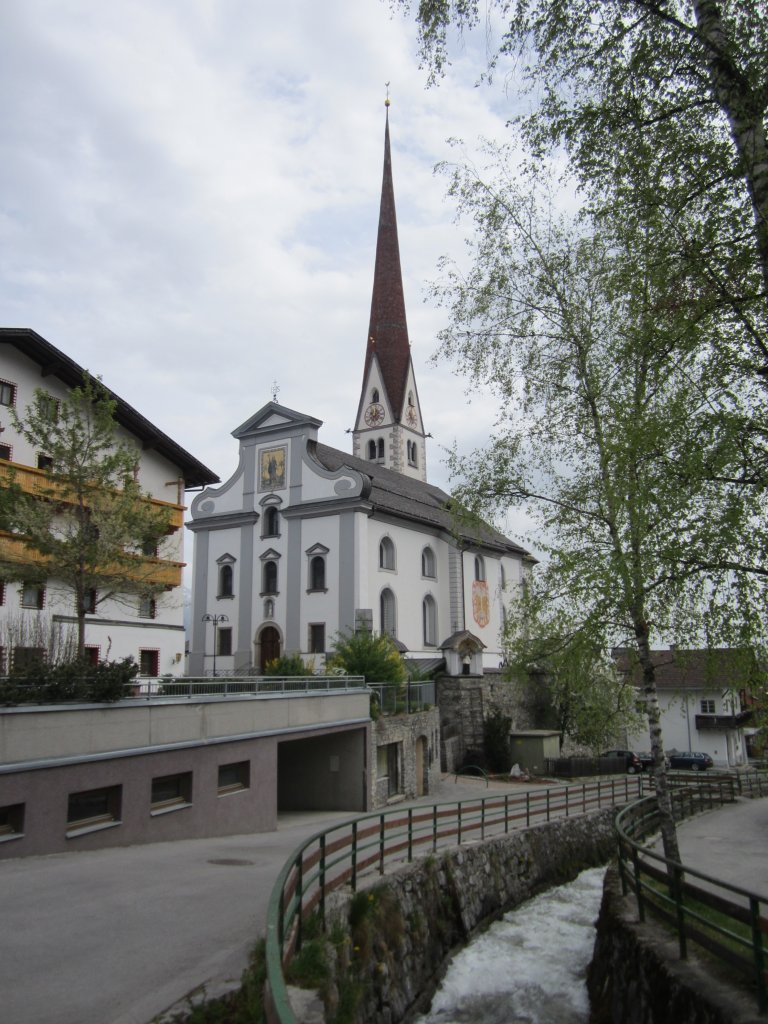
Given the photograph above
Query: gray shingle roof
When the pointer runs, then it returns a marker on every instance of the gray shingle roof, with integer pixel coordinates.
(400, 495)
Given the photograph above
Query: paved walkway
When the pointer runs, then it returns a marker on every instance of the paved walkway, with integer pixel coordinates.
(117, 936)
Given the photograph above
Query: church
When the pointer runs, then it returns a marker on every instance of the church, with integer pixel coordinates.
(305, 541)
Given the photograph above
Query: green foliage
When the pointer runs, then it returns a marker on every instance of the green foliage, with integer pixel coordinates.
(245, 1006)
(498, 752)
(372, 655)
(88, 521)
(78, 680)
(288, 665)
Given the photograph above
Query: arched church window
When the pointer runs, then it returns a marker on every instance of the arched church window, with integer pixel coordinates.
(271, 522)
(317, 573)
(269, 577)
(226, 581)
(375, 395)
(428, 567)
(429, 616)
(411, 448)
(386, 554)
(371, 450)
(410, 398)
(479, 567)
(388, 613)
(381, 448)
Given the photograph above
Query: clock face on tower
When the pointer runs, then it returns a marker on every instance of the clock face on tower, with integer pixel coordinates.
(374, 414)
(411, 416)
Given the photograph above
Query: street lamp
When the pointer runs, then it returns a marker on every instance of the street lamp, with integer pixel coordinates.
(215, 619)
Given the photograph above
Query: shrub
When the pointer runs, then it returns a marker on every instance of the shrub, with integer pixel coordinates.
(70, 681)
(372, 655)
(288, 665)
(496, 738)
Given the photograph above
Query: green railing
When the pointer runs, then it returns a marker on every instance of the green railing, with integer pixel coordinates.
(729, 922)
(341, 855)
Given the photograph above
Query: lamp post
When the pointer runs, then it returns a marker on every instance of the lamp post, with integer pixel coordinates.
(215, 619)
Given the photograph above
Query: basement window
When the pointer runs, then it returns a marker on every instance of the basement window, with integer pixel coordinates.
(94, 809)
(234, 777)
(171, 792)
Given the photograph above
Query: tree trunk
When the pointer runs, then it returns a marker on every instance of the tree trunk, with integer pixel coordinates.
(663, 795)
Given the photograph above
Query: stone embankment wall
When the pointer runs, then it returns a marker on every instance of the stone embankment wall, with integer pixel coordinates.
(637, 977)
(387, 945)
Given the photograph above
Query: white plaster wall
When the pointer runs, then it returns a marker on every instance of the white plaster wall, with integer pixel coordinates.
(678, 723)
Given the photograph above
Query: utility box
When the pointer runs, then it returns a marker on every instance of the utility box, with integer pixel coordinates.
(531, 749)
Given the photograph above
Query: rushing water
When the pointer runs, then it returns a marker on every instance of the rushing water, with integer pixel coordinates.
(529, 967)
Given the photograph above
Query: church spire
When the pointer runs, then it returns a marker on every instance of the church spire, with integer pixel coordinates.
(388, 330)
(388, 429)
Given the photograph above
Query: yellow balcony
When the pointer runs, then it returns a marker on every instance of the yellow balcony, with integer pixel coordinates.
(153, 571)
(37, 482)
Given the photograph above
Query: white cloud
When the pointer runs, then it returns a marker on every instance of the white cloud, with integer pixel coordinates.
(189, 194)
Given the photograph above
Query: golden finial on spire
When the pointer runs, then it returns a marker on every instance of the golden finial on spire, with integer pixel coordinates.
(386, 101)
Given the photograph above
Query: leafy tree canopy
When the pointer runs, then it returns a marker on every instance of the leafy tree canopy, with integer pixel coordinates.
(364, 653)
(88, 521)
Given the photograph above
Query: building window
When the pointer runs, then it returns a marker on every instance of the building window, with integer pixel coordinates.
(224, 641)
(226, 581)
(708, 707)
(90, 601)
(317, 573)
(94, 808)
(32, 596)
(386, 553)
(412, 453)
(271, 523)
(149, 661)
(429, 617)
(428, 566)
(317, 638)
(269, 574)
(27, 657)
(44, 461)
(6, 452)
(11, 821)
(234, 777)
(380, 448)
(371, 450)
(49, 407)
(7, 393)
(91, 655)
(147, 608)
(387, 610)
(171, 791)
(374, 395)
(269, 608)
(479, 567)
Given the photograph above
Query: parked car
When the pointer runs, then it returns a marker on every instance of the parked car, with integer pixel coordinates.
(691, 759)
(631, 761)
(646, 760)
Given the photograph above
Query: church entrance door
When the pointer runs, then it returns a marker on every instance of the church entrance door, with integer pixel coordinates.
(269, 642)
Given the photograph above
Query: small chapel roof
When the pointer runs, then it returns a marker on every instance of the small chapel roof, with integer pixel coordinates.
(409, 498)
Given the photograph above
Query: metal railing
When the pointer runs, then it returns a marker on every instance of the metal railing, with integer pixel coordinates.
(367, 845)
(404, 698)
(234, 686)
(727, 921)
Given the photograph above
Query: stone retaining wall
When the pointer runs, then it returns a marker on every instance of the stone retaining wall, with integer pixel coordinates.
(637, 977)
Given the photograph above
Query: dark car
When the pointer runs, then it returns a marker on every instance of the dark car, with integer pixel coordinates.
(691, 759)
(630, 759)
(646, 760)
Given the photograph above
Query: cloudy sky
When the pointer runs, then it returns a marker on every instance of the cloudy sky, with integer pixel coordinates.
(189, 193)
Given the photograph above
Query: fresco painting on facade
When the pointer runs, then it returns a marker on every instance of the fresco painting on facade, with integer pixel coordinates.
(272, 477)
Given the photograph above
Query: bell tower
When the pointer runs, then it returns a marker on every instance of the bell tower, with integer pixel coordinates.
(389, 429)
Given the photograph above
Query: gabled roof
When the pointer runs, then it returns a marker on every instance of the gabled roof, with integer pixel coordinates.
(388, 329)
(404, 496)
(55, 363)
(721, 668)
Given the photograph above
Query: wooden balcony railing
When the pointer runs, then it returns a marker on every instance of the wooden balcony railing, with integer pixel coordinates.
(37, 482)
(155, 572)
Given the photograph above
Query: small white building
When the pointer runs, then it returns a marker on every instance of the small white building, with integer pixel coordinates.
(305, 541)
(703, 698)
(149, 629)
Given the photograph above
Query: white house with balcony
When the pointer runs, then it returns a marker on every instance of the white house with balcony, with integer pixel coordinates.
(35, 617)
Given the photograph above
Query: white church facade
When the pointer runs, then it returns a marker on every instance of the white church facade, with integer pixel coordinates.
(305, 541)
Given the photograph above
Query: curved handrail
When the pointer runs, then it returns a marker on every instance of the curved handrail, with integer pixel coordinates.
(694, 909)
(340, 855)
(472, 767)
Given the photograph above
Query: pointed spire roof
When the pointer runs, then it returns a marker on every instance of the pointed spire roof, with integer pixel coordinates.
(388, 330)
